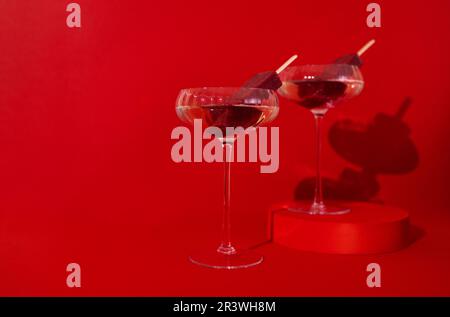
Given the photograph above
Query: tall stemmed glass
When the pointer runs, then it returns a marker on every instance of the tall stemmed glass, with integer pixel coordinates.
(224, 107)
(320, 88)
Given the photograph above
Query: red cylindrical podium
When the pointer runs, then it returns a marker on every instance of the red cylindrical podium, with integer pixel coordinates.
(367, 229)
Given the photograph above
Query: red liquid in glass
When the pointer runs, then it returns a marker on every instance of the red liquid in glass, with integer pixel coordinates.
(223, 116)
(320, 95)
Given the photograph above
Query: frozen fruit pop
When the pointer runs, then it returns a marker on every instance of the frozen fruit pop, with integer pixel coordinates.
(354, 59)
(268, 80)
(265, 80)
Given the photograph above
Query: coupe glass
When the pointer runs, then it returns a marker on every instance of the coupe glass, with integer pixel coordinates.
(320, 88)
(224, 107)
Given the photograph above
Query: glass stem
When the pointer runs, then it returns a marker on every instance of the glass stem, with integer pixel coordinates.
(226, 247)
(318, 204)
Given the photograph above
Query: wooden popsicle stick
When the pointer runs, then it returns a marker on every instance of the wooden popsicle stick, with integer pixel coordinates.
(403, 108)
(286, 64)
(365, 47)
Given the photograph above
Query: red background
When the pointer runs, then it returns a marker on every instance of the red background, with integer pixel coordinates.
(85, 122)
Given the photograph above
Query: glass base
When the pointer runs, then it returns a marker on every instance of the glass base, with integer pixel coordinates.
(217, 260)
(317, 209)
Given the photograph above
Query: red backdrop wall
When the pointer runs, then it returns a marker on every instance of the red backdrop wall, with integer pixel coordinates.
(85, 121)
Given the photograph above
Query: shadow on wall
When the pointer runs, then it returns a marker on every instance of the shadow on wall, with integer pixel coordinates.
(381, 147)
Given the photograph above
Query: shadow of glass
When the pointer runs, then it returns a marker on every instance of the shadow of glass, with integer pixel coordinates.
(383, 146)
